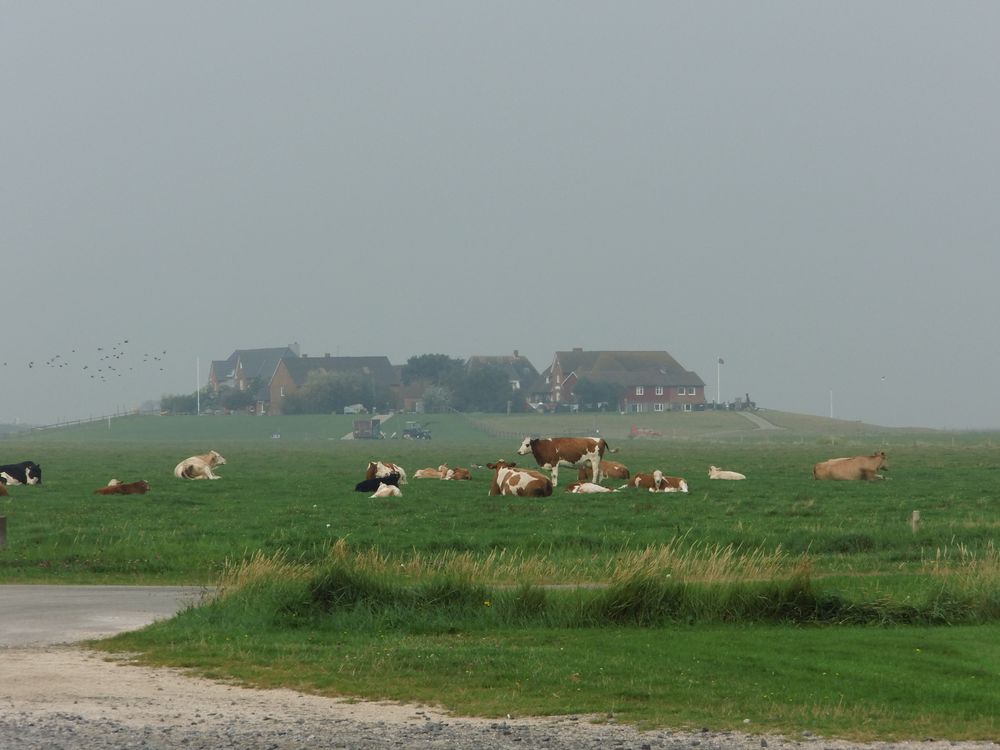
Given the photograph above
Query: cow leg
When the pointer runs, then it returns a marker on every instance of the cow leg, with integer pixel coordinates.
(596, 470)
(555, 473)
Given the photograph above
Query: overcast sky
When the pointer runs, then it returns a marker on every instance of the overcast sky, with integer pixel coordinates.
(810, 191)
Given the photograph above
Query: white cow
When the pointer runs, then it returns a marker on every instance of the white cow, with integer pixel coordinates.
(714, 472)
(387, 490)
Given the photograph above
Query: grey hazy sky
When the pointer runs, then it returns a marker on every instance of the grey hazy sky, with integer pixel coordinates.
(808, 190)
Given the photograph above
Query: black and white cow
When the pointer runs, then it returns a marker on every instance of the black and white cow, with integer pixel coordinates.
(371, 484)
(26, 472)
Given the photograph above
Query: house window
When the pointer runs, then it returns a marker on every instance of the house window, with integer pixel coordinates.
(687, 407)
(681, 391)
(657, 407)
(639, 390)
(282, 393)
(659, 390)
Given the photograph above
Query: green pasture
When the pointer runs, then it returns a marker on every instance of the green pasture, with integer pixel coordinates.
(704, 609)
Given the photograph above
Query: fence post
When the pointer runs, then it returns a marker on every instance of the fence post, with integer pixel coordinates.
(915, 521)
(3, 531)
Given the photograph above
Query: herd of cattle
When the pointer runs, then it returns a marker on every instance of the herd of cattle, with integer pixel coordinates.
(587, 455)
(382, 478)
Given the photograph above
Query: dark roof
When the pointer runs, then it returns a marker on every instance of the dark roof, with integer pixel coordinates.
(261, 363)
(627, 368)
(379, 368)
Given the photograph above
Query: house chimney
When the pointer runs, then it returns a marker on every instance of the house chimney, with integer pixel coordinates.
(577, 348)
(327, 355)
(515, 354)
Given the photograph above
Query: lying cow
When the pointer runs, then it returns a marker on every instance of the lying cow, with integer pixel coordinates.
(387, 490)
(509, 480)
(372, 484)
(853, 467)
(26, 472)
(199, 467)
(657, 481)
(457, 474)
(587, 488)
(121, 488)
(551, 453)
(439, 473)
(609, 469)
(714, 472)
(384, 468)
(3, 490)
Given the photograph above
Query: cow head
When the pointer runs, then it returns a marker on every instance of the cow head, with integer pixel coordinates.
(217, 459)
(883, 463)
(33, 473)
(525, 448)
(501, 464)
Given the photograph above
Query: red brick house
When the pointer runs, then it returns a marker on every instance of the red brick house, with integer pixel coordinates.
(291, 374)
(250, 368)
(647, 381)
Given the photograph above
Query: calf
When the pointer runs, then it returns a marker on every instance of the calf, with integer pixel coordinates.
(199, 467)
(587, 488)
(457, 474)
(609, 469)
(372, 484)
(509, 480)
(657, 481)
(551, 453)
(438, 473)
(714, 472)
(384, 468)
(26, 472)
(118, 488)
(387, 490)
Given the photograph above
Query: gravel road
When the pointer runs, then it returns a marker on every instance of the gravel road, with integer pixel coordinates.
(55, 697)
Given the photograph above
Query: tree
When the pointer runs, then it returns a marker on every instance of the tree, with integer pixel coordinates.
(437, 399)
(436, 369)
(236, 400)
(327, 392)
(485, 388)
(596, 394)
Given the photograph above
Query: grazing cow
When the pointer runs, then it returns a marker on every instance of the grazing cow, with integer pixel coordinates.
(372, 484)
(609, 470)
(438, 473)
(587, 488)
(551, 453)
(199, 467)
(714, 472)
(657, 481)
(853, 467)
(457, 474)
(26, 472)
(119, 488)
(383, 468)
(509, 480)
(387, 490)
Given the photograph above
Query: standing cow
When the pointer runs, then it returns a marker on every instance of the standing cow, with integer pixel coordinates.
(551, 453)
(853, 467)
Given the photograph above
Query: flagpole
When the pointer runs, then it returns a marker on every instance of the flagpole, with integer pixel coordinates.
(718, 382)
(197, 384)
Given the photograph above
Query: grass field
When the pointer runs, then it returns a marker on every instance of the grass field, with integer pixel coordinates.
(701, 609)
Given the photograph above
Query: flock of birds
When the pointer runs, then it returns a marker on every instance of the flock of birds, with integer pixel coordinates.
(105, 363)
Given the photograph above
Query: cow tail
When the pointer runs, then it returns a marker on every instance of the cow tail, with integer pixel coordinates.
(608, 448)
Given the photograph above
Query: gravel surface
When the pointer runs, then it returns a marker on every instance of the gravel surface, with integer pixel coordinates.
(63, 697)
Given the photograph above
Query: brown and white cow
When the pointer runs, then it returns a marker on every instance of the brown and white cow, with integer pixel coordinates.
(378, 469)
(115, 487)
(457, 474)
(609, 470)
(508, 480)
(853, 467)
(199, 467)
(551, 453)
(657, 481)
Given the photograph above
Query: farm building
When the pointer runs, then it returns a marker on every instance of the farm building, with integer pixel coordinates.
(644, 381)
(291, 374)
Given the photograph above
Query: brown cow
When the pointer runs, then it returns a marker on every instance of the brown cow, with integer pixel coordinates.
(609, 470)
(457, 474)
(522, 482)
(3, 490)
(430, 473)
(853, 467)
(551, 453)
(657, 481)
(118, 488)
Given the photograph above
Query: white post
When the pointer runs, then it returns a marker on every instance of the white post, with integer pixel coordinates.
(197, 385)
(718, 381)
(831, 403)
